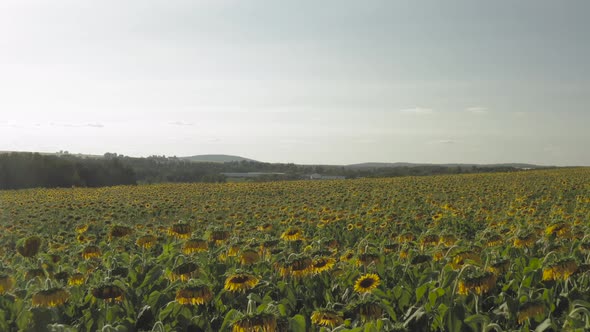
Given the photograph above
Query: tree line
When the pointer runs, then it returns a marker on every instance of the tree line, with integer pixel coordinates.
(20, 170)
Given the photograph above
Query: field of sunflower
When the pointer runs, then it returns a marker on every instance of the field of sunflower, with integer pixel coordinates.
(444, 253)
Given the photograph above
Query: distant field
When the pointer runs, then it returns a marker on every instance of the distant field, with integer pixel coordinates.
(467, 252)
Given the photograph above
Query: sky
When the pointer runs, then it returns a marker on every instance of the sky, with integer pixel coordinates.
(306, 81)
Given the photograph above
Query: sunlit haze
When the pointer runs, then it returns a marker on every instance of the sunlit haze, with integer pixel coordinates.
(308, 82)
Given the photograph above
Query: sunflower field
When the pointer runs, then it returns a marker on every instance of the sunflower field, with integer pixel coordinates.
(478, 252)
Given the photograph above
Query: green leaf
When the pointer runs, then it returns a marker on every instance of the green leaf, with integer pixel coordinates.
(455, 318)
(282, 309)
(370, 327)
(477, 321)
(546, 324)
(297, 324)
(420, 291)
(229, 318)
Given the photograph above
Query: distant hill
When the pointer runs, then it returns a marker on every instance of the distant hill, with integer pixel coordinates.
(401, 164)
(216, 158)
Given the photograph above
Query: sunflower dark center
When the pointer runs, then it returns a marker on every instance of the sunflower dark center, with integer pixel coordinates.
(366, 283)
(321, 263)
(239, 279)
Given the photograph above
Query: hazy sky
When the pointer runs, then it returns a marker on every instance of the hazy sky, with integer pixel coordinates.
(304, 81)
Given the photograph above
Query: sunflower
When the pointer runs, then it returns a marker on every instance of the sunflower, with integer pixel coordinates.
(463, 256)
(81, 228)
(259, 322)
(494, 240)
(219, 236)
(249, 256)
(530, 309)
(326, 317)
(559, 229)
(6, 283)
(266, 227)
(119, 231)
(560, 270)
(369, 311)
(240, 282)
(366, 283)
(298, 267)
(448, 239)
(146, 241)
(184, 271)
(194, 245)
(52, 297)
(479, 283)
(391, 247)
(29, 247)
(194, 295)
(367, 259)
(62, 276)
(180, 230)
(292, 234)
(524, 240)
(429, 240)
(91, 251)
(421, 258)
(76, 279)
(437, 216)
(347, 256)
(108, 292)
(323, 264)
(500, 266)
(406, 237)
(439, 255)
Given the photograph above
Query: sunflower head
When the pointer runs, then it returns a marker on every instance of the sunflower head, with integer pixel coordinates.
(184, 271)
(6, 283)
(249, 256)
(525, 239)
(118, 231)
(91, 251)
(420, 258)
(263, 321)
(29, 247)
(322, 264)
(561, 269)
(530, 309)
(76, 279)
(219, 236)
(325, 317)
(146, 241)
(366, 283)
(194, 295)
(368, 258)
(194, 245)
(180, 230)
(369, 311)
(240, 282)
(108, 292)
(292, 234)
(52, 297)
(477, 281)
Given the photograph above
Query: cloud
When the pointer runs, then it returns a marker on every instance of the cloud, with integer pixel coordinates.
(444, 141)
(181, 123)
(77, 125)
(417, 110)
(477, 110)
(366, 141)
(293, 141)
